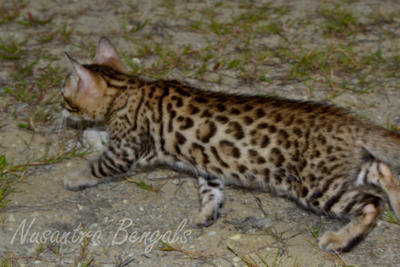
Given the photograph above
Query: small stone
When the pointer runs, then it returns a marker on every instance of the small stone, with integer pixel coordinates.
(253, 223)
(236, 259)
(235, 237)
(136, 61)
(11, 218)
(212, 233)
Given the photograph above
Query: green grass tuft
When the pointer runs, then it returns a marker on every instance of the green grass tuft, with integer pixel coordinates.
(12, 50)
(339, 21)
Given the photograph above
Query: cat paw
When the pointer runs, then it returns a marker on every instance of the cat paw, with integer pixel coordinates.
(333, 242)
(205, 217)
(79, 180)
(95, 139)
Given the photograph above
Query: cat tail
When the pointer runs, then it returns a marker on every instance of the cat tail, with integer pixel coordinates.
(382, 144)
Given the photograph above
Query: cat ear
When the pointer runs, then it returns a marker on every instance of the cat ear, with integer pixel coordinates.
(71, 62)
(86, 81)
(107, 55)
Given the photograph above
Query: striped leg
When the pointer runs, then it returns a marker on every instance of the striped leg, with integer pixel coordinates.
(361, 207)
(379, 174)
(211, 200)
(109, 164)
(363, 210)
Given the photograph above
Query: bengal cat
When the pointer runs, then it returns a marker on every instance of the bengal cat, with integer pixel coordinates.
(317, 154)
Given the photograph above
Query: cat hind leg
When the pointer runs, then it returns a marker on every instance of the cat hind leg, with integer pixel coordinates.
(363, 209)
(378, 174)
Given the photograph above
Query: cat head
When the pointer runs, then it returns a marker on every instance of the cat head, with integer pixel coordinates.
(85, 94)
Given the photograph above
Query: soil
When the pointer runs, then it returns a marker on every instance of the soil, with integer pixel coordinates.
(142, 221)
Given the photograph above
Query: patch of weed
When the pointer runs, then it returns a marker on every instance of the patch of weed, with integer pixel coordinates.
(247, 260)
(85, 259)
(31, 21)
(250, 17)
(339, 21)
(170, 248)
(143, 185)
(390, 217)
(12, 49)
(4, 191)
(65, 32)
(50, 77)
(220, 28)
(45, 38)
(316, 230)
(323, 61)
(272, 28)
(11, 10)
(135, 27)
(6, 262)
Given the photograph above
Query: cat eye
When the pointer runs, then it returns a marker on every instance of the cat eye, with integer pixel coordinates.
(68, 105)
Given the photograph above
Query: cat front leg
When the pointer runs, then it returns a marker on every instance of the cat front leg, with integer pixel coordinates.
(109, 165)
(211, 198)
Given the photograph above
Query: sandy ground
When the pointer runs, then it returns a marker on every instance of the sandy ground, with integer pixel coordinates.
(285, 48)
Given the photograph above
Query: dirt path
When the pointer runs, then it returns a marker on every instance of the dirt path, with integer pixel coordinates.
(341, 52)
